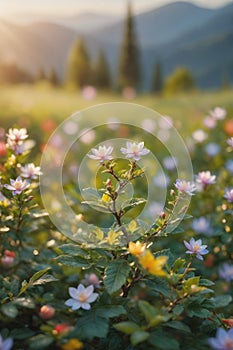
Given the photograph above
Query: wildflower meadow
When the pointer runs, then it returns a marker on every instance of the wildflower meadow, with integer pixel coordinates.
(117, 235)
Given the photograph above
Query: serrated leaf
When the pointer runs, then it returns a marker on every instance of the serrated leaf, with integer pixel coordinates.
(116, 275)
(71, 261)
(127, 327)
(91, 325)
(138, 337)
(108, 311)
(206, 283)
(74, 250)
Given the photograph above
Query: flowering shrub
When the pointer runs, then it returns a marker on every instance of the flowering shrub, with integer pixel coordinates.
(132, 286)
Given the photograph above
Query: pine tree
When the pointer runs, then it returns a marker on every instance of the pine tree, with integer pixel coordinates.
(129, 67)
(41, 74)
(53, 78)
(102, 78)
(79, 68)
(157, 79)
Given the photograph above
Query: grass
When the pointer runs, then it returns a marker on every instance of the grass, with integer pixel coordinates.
(29, 105)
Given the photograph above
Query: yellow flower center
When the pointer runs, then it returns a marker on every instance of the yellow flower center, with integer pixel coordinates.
(82, 298)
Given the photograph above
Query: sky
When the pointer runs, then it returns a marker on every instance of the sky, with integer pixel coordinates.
(67, 7)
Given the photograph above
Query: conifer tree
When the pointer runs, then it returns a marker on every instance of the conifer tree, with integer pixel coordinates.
(53, 78)
(129, 66)
(157, 79)
(79, 68)
(102, 78)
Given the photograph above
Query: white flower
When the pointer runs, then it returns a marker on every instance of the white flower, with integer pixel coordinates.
(185, 186)
(218, 113)
(134, 150)
(230, 141)
(199, 135)
(229, 195)
(6, 344)
(81, 297)
(17, 135)
(30, 171)
(17, 186)
(102, 153)
(205, 178)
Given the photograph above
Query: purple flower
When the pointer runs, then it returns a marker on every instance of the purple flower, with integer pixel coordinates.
(223, 340)
(226, 272)
(209, 122)
(6, 344)
(17, 186)
(212, 149)
(196, 247)
(202, 225)
(229, 195)
(185, 186)
(81, 297)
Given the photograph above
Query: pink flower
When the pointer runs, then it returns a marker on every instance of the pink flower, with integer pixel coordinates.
(230, 142)
(185, 186)
(17, 135)
(8, 258)
(229, 195)
(205, 178)
(17, 186)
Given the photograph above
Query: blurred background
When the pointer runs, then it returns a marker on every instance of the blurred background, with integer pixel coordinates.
(59, 57)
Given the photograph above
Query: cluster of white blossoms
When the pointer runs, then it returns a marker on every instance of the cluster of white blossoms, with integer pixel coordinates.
(132, 150)
(15, 140)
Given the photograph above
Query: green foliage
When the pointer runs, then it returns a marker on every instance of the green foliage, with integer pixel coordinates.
(79, 68)
(129, 66)
(180, 81)
(157, 83)
(101, 72)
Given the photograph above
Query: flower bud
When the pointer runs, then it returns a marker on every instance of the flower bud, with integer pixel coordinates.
(47, 312)
(8, 258)
(163, 215)
(61, 328)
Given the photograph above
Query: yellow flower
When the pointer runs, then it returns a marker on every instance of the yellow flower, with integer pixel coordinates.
(73, 344)
(153, 265)
(137, 248)
(105, 198)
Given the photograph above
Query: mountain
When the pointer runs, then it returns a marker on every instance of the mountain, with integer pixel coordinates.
(178, 34)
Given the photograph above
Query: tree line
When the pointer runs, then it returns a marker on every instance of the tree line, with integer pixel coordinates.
(82, 72)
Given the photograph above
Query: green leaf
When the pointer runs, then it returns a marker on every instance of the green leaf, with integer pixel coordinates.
(178, 309)
(206, 283)
(109, 311)
(148, 311)
(127, 327)
(139, 337)
(37, 275)
(25, 302)
(91, 325)
(9, 310)
(134, 203)
(45, 279)
(188, 284)
(222, 301)
(179, 263)
(178, 325)
(115, 275)
(73, 261)
(74, 250)
(162, 341)
(22, 333)
(40, 341)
